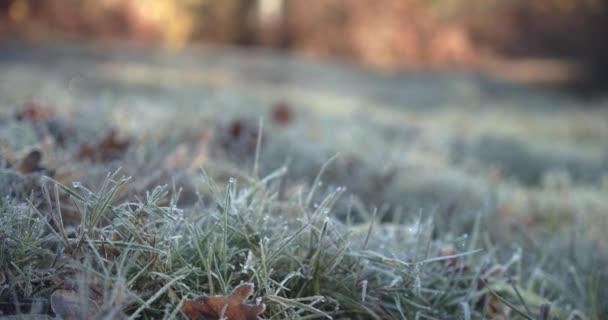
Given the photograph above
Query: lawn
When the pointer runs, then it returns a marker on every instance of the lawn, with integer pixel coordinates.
(140, 183)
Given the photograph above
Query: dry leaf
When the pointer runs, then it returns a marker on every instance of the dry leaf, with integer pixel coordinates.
(45, 121)
(70, 305)
(30, 162)
(231, 307)
(241, 135)
(33, 111)
(108, 148)
(281, 113)
(456, 264)
(489, 301)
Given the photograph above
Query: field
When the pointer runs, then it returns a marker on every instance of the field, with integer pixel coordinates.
(135, 180)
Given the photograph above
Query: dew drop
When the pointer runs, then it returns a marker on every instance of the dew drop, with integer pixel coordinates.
(76, 184)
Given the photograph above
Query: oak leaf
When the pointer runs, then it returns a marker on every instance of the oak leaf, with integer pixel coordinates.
(230, 307)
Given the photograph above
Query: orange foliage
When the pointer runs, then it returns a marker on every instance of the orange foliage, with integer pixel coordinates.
(231, 307)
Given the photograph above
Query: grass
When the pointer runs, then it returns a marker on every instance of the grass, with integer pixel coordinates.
(421, 215)
(147, 257)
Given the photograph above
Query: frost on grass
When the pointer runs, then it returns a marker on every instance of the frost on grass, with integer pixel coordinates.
(128, 248)
(149, 257)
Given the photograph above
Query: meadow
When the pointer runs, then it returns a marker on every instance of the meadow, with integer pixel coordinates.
(134, 181)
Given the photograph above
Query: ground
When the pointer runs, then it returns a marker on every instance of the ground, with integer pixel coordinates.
(387, 196)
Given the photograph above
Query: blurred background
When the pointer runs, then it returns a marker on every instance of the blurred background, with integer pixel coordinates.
(557, 43)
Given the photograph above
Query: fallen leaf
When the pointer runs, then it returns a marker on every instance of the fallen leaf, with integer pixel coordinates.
(455, 264)
(26, 164)
(235, 129)
(68, 305)
(240, 135)
(231, 307)
(494, 308)
(107, 148)
(33, 111)
(45, 121)
(30, 162)
(489, 302)
(281, 113)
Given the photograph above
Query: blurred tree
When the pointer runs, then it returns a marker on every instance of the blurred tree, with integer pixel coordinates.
(382, 33)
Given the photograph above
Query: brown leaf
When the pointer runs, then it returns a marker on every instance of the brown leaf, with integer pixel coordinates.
(26, 164)
(281, 113)
(241, 135)
(45, 121)
(494, 308)
(456, 264)
(489, 302)
(30, 162)
(33, 111)
(107, 148)
(231, 307)
(68, 305)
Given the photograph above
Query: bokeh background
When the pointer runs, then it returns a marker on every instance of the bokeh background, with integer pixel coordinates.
(555, 42)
